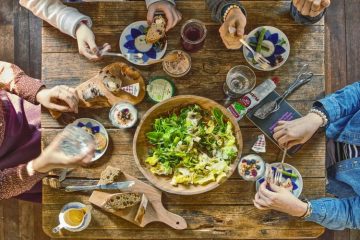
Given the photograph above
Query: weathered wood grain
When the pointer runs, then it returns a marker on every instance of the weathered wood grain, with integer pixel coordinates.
(352, 8)
(227, 211)
(301, 37)
(309, 160)
(335, 47)
(232, 192)
(204, 221)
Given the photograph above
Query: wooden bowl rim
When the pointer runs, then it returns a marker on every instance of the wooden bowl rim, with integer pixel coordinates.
(202, 189)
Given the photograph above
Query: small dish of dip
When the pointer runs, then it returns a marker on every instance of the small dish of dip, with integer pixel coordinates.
(178, 67)
(123, 115)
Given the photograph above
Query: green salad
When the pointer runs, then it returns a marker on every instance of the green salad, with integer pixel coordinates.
(194, 146)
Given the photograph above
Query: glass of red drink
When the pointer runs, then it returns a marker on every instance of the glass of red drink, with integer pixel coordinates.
(193, 34)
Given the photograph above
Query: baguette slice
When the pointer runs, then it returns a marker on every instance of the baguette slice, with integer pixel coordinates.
(110, 175)
(120, 201)
(157, 30)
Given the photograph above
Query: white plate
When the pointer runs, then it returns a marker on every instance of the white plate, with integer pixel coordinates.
(281, 48)
(298, 181)
(97, 127)
(132, 40)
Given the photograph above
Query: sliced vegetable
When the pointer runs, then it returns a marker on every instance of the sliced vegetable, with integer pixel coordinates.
(260, 40)
(194, 146)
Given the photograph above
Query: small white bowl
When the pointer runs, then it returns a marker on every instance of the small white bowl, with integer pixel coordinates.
(119, 107)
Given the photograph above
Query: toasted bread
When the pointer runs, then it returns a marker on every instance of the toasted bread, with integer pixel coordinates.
(120, 201)
(156, 30)
(110, 175)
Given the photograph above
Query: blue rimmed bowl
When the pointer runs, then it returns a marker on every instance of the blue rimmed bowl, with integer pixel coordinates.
(132, 40)
(296, 182)
(275, 47)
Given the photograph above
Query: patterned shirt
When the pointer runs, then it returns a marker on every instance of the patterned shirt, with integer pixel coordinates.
(16, 180)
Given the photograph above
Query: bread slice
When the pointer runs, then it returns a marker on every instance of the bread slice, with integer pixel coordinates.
(110, 175)
(156, 30)
(120, 201)
(111, 82)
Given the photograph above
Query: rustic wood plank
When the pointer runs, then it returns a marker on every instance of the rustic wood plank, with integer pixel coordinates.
(312, 38)
(7, 31)
(226, 212)
(102, 114)
(309, 160)
(35, 46)
(11, 223)
(204, 221)
(352, 9)
(21, 37)
(2, 221)
(26, 220)
(7, 39)
(107, 13)
(232, 192)
(354, 235)
(336, 66)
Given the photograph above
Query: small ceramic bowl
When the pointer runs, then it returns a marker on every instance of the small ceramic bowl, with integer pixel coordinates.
(180, 67)
(251, 167)
(126, 110)
(132, 40)
(275, 47)
(296, 182)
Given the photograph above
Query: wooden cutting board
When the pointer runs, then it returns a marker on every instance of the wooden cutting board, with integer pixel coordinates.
(119, 70)
(149, 210)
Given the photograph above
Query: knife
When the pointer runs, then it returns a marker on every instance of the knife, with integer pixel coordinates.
(111, 186)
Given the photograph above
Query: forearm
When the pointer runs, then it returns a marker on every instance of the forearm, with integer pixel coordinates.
(17, 180)
(14, 80)
(149, 2)
(342, 103)
(64, 18)
(217, 6)
(336, 214)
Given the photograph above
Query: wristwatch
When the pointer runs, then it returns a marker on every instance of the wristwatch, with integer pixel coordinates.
(309, 209)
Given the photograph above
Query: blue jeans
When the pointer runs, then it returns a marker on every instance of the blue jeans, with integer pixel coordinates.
(306, 20)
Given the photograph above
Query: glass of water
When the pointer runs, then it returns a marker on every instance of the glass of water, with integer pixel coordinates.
(239, 80)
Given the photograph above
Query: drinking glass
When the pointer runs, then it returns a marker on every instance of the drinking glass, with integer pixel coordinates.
(239, 80)
(193, 34)
(76, 141)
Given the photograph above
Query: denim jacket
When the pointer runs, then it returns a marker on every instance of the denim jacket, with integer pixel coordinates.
(218, 8)
(343, 111)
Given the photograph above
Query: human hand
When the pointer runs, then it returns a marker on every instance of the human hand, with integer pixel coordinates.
(298, 131)
(60, 98)
(232, 30)
(311, 8)
(86, 43)
(173, 16)
(53, 157)
(279, 199)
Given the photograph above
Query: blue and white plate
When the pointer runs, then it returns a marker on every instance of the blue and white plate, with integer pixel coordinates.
(132, 40)
(275, 47)
(296, 182)
(95, 127)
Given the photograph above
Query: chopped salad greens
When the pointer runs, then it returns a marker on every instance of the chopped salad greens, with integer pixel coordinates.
(195, 146)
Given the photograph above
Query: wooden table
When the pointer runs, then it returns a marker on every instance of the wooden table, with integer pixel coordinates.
(226, 212)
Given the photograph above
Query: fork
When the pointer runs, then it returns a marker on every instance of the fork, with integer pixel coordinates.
(135, 56)
(257, 56)
(278, 177)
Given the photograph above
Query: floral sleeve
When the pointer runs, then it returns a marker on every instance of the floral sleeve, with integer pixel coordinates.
(14, 80)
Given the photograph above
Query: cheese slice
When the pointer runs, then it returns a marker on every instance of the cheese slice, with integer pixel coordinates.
(133, 89)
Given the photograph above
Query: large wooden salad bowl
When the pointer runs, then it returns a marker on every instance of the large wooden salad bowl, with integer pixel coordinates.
(141, 144)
